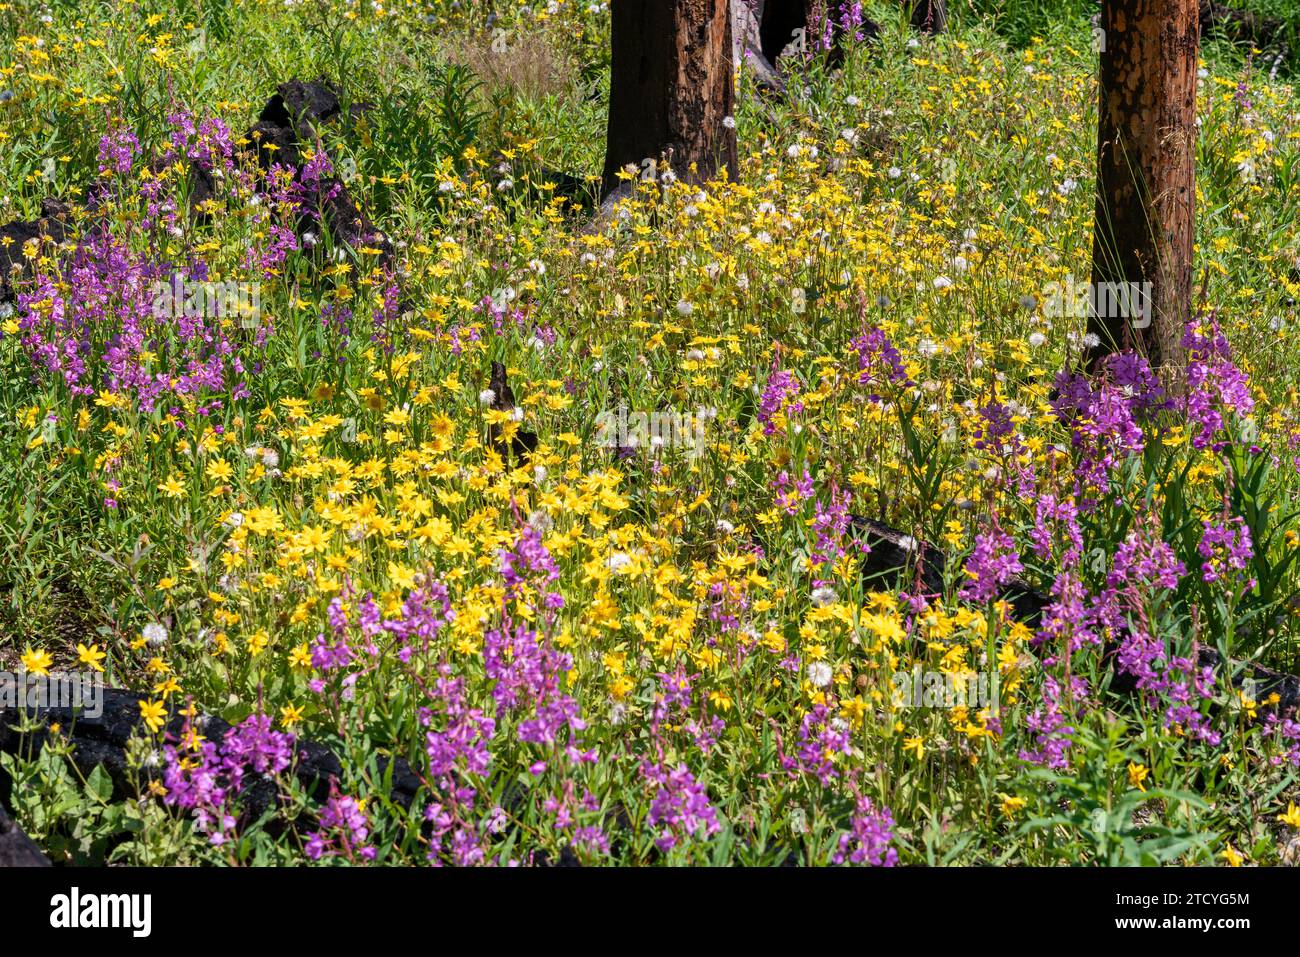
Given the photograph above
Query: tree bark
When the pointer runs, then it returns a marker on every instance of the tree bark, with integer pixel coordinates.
(783, 23)
(671, 87)
(1146, 179)
(929, 16)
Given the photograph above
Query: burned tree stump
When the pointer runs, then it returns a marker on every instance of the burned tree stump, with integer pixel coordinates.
(16, 848)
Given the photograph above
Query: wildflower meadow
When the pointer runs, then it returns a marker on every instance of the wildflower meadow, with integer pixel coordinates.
(399, 498)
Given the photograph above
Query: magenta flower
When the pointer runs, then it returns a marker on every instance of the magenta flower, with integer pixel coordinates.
(869, 837)
(991, 566)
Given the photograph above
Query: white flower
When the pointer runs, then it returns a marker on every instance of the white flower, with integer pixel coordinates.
(823, 596)
(235, 519)
(270, 458)
(618, 561)
(1036, 339)
(154, 633)
(852, 100)
(895, 172)
(942, 282)
(729, 122)
(819, 674)
(724, 526)
(487, 397)
(1067, 187)
(684, 308)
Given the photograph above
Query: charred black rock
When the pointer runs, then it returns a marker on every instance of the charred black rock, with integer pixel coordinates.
(53, 226)
(273, 144)
(897, 560)
(102, 740)
(302, 106)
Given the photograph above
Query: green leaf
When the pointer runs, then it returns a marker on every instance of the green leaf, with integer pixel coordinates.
(99, 786)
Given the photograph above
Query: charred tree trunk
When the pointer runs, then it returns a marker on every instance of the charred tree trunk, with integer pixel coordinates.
(747, 44)
(671, 88)
(803, 26)
(929, 16)
(784, 24)
(1141, 293)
